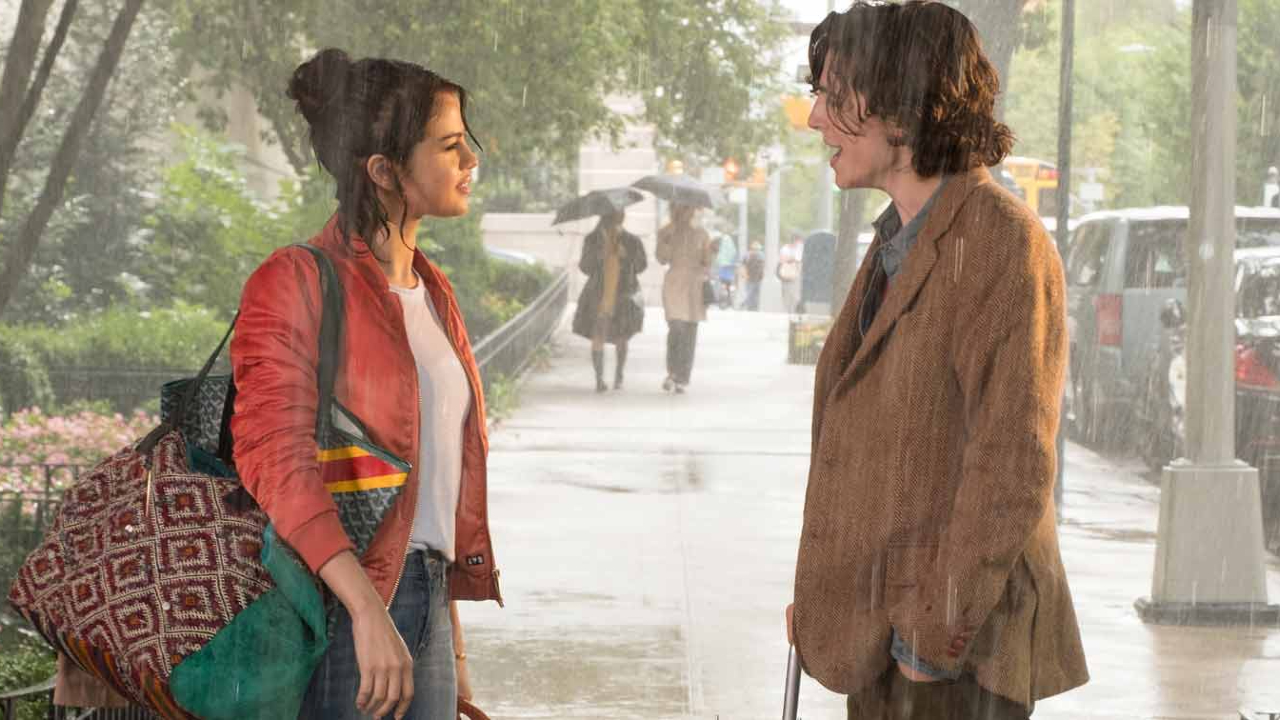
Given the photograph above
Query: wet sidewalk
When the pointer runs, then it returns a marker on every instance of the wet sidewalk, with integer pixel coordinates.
(647, 543)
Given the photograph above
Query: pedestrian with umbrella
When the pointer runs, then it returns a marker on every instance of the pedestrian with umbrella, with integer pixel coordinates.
(687, 250)
(611, 306)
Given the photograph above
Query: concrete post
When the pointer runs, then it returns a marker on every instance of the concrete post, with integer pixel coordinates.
(1209, 553)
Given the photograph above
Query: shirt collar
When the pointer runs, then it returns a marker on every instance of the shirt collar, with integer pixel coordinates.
(898, 239)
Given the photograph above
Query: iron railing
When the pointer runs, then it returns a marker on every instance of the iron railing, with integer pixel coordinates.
(507, 351)
(10, 702)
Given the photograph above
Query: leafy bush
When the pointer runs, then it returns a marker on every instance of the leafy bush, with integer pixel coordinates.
(208, 230)
(118, 356)
(177, 337)
(23, 380)
(23, 664)
(489, 292)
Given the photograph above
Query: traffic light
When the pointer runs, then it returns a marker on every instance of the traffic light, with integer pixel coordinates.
(731, 170)
(797, 109)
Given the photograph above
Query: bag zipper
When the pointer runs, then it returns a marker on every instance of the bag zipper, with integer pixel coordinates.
(417, 434)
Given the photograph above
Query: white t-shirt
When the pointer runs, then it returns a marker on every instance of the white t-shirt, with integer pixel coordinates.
(444, 399)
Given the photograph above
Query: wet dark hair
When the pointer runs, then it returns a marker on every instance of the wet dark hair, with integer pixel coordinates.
(920, 68)
(363, 108)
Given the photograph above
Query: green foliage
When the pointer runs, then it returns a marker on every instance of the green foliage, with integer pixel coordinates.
(24, 382)
(543, 77)
(23, 664)
(1132, 111)
(17, 530)
(489, 292)
(208, 230)
(85, 259)
(708, 79)
(179, 337)
(502, 397)
(1258, 82)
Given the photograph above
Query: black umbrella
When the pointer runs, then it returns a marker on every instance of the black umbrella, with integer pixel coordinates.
(597, 202)
(679, 189)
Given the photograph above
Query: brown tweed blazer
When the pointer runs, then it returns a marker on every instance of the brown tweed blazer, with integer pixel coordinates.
(930, 500)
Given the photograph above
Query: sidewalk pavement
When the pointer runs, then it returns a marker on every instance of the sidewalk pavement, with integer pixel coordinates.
(647, 543)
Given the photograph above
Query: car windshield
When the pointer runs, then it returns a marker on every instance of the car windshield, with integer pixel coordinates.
(1259, 291)
(1257, 232)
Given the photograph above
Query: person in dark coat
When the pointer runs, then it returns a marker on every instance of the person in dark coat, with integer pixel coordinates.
(611, 307)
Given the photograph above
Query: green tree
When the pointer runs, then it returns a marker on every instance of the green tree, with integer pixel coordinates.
(541, 75)
(208, 231)
(1258, 82)
(20, 247)
(1133, 100)
(84, 259)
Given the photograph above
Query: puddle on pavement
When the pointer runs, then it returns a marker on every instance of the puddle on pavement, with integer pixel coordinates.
(675, 475)
(615, 672)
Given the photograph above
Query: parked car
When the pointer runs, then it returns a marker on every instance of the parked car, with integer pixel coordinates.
(511, 256)
(1257, 381)
(1124, 265)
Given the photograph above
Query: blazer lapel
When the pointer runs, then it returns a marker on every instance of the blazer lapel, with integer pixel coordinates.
(911, 278)
(902, 290)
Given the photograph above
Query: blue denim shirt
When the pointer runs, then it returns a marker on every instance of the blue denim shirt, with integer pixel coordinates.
(901, 239)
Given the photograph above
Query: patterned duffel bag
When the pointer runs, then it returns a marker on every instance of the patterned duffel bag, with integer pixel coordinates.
(160, 577)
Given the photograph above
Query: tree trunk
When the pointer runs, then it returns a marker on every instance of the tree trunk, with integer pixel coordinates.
(17, 124)
(19, 253)
(999, 22)
(846, 259)
(19, 62)
(290, 143)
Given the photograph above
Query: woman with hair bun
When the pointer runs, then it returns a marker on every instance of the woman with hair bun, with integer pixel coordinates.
(394, 137)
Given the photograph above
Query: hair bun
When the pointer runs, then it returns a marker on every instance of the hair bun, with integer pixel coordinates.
(318, 81)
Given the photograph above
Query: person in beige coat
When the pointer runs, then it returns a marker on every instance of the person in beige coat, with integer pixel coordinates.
(929, 582)
(687, 251)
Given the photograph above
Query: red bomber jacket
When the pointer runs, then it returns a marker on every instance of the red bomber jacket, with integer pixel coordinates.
(274, 355)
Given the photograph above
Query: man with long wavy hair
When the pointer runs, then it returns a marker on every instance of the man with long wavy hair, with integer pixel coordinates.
(929, 582)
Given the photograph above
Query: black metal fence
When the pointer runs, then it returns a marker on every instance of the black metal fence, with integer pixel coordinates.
(42, 693)
(25, 515)
(507, 351)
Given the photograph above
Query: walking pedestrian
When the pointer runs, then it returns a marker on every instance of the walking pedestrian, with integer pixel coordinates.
(610, 307)
(788, 271)
(928, 581)
(688, 252)
(726, 269)
(394, 137)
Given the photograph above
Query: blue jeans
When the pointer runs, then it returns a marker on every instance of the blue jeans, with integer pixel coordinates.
(421, 614)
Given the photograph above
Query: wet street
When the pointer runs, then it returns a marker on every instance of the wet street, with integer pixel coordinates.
(647, 543)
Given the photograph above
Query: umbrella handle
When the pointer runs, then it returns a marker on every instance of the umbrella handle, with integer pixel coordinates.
(791, 695)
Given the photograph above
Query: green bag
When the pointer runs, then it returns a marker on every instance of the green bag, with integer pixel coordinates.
(260, 664)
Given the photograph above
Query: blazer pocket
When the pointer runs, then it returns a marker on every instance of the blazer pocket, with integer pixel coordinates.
(908, 566)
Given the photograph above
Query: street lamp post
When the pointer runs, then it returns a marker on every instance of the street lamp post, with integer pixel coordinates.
(1209, 554)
